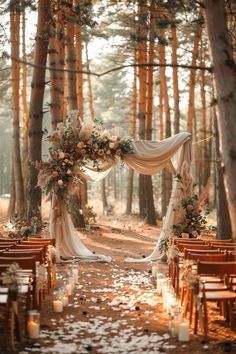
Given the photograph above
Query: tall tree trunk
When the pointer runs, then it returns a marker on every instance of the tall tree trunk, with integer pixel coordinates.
(225, 81)
(57, 62)
(79, 68)
(36, 108)
(15, 71)
(191, 122)
(151, 214)
(80, 99)
(56, 97)
(12, 202)
(25, 109)
(192, 81)
(166, 176)
(133, 116)
(142, 77)
(76, 200)
(90, 90)
(175, 76)
(224, 230)
(203, 176)
(160, 113)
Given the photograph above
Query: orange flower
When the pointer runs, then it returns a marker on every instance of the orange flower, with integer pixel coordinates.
(80, 145)
(100, 152)
(55, 174)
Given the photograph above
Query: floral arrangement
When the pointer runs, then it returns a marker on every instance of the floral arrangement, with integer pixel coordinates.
(189, 277)
(51, 255)
(23, 228)
(10, 277)
(74, 145)
(189, 218)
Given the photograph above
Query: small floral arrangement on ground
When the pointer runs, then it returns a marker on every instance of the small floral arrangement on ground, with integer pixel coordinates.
(74, 145)
(193, 219)
(24, 228)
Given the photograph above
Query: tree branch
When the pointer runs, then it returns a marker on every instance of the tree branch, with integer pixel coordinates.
(183, 66)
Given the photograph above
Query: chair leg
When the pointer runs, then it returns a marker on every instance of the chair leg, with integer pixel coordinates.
(205, 321)
(231, 314)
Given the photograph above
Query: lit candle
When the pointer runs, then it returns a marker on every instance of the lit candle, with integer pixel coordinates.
(65, 300)
(33, 329)
(69, 289)
(184, 335)
(58, 305)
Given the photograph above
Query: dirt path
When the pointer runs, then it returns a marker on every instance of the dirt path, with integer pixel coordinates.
(115, 308)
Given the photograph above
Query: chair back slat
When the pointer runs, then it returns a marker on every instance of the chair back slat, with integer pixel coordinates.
(225, 247)
(216, 268)
(38, 254)
(207, 257)
(195, 246)
(51, 241)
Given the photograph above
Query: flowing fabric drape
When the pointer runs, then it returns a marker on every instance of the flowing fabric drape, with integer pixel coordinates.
(148, 158)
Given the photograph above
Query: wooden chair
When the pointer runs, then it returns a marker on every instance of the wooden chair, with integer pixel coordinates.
(225, 297)
(9, 240)
(50, 241)
(22, 247)
(207, 257)
(182, 246)
(28, 265)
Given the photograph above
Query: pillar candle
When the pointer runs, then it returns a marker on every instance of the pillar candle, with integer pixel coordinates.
(184, 335)
(58, 305)
(33, 329)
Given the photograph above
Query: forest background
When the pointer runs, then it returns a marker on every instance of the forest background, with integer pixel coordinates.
(141, 67)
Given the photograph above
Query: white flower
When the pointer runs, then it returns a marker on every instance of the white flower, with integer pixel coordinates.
(61, 155)
(60, 182)
(86, 130)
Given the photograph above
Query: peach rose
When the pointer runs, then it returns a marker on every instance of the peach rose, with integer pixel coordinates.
(100, 152)
(55, 174)
(111, 145)
(80, 145)
(61, 155)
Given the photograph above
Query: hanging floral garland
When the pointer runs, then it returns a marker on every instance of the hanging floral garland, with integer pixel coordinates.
(76, 144)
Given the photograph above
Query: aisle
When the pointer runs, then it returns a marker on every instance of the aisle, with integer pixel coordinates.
(117, 312)
(115, 308)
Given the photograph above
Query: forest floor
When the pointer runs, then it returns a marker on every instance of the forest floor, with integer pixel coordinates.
(115, 307)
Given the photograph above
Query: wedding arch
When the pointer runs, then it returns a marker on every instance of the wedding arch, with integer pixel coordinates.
(74, 146)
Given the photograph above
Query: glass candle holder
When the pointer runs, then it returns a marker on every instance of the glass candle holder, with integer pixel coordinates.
(33, 324)
(65, 297)
(58, 301)
(184, 333)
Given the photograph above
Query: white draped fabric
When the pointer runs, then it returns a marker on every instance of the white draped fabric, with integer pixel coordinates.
(149, 158)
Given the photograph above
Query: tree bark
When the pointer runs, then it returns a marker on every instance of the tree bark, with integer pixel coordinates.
(175, 76)
(15, 71)
(90, 90)
(224, 230)
(25, 109)
(76, 200)
(142, 77)
(151, 214)
(165, 176)
(225, 82)
(132, 134)
(36, 108)
(79, 68)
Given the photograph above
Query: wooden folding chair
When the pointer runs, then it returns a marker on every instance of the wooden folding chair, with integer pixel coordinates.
(28, 265)
(224, 297)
